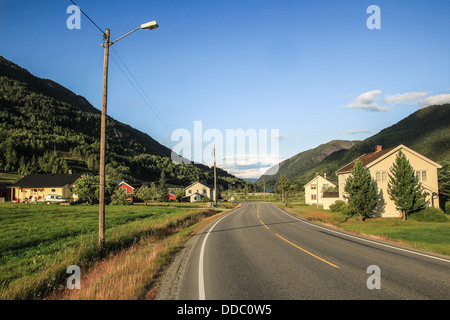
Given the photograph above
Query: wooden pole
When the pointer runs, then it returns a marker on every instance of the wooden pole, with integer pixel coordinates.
(101, 199)
(215, 179)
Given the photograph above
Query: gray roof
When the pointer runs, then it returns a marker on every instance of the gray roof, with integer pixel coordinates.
(46, 180)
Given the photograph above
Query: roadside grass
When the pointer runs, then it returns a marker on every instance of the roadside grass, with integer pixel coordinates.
(133, 273)
(38, 241)
(428, 236)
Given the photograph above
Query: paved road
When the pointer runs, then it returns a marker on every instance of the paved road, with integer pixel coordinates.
(261, 252)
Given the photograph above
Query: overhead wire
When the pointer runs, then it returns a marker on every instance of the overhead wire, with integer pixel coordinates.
(142, 93)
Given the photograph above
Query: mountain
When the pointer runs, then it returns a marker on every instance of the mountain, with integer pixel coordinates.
(426, 131)
(303, 162)
(46, 128)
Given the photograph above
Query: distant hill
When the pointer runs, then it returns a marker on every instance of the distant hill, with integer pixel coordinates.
(46, 128)
(303, 162)
(426, 131)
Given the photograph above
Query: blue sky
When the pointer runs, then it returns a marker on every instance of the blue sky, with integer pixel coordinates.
(310, 69)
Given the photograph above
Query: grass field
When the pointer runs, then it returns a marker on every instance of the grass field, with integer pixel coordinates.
(38, 241)
(428, 236)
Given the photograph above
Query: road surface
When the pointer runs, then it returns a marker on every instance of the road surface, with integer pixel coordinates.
(261, 252)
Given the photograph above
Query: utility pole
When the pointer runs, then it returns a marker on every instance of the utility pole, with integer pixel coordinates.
(215, 178)
(101, 200)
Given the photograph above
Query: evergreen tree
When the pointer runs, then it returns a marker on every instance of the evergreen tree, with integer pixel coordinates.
(361, 191)
(163, 192)
(404, 187)
(444, 185)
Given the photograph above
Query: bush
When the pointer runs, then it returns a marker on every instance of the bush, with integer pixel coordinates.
(447, 207)
(429, 215)
(337, 206)
(341, 206)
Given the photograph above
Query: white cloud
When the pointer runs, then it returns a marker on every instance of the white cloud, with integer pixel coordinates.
(250, 165)
(367, 101)
(357, 131)
(435, 100)
(408, 97)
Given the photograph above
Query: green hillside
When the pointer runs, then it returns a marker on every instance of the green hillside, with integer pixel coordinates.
(303, 162)
(426, 131)
(46, 128)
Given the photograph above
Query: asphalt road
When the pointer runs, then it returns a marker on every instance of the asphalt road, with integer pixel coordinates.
(260, 252)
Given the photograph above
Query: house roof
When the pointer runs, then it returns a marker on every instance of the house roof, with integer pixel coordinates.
(316, 177)
(46, 180)
(366, 159)
(370, 158)
(132, 185)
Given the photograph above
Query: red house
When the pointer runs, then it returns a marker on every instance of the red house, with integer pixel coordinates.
(129, 187)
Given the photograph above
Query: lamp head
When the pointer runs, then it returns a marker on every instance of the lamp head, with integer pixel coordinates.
(150, 25)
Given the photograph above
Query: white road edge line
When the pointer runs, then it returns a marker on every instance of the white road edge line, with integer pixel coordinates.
(201, 279)
(362, 239)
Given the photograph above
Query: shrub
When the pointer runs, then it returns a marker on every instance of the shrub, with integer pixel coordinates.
(341, 206)
(429, 215)
(447, 207)
(337, 206)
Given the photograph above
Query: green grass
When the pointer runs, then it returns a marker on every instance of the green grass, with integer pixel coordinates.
(428, 236)
(38, 241)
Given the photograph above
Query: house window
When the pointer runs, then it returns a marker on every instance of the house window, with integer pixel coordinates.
(313, 187)
(313, 197)
(378, 176)
(53, 190)
(424, 175)
(384, 176)
(418, 175)
(189, 191)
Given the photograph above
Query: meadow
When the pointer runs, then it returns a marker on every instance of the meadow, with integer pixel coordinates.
(39, 241)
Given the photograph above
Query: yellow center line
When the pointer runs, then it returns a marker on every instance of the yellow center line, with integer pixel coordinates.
(264, 224)
(333, 265)
(293, 244)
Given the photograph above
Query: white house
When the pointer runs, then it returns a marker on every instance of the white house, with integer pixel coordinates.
(314, 189)
(196, 191)
(378, 163)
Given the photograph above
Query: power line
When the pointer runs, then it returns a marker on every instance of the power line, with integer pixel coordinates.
(141, 92)
(103, 32)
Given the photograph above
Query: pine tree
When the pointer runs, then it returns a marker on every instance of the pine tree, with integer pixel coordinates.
(361, 191)
(163, 192)
(404, 187)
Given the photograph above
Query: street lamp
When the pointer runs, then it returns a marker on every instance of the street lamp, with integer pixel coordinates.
(101, 211)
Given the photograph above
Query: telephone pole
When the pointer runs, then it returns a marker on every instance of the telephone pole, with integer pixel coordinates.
(101, 198)
(215, 178)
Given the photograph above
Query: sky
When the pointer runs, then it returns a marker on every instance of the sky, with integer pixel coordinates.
(282, 76)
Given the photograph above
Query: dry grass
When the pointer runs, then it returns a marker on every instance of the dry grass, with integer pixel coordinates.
(132, 274)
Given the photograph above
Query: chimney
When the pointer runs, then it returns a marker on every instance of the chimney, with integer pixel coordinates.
(378, 148)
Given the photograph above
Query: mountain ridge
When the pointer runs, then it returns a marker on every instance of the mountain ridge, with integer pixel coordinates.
(47, 128)
(427, 131)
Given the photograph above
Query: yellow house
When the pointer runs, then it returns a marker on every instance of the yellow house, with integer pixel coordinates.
(36, 187)
(314, 189)
(196, 191)
(379, 163)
